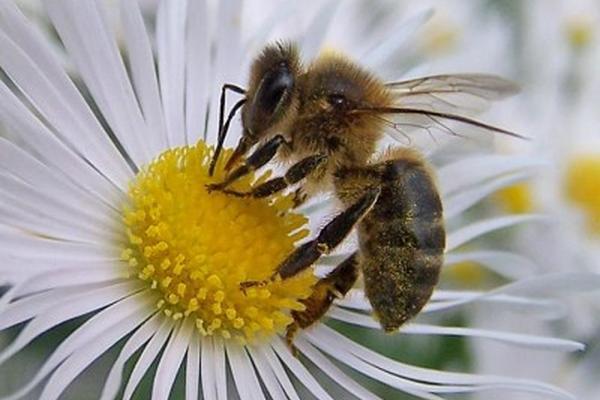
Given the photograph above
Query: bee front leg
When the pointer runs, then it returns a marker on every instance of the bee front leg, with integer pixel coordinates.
(294, 174)
(329, 238)
(334, 285)
(256, 160)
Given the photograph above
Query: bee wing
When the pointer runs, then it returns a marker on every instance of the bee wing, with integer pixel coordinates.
(466, 94)
(443, 103)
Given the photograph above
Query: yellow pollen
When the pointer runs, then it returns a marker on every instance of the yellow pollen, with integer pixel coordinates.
(517, 198)
(582, 188)
(194, 248)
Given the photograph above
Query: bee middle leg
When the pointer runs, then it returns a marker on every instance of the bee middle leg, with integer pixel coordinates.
(334, 285)
(328, 239)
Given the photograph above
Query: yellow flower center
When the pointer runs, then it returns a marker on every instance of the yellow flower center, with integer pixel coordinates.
(194, 248)
(582, 187)
(466, 273)
(517, 198)
(579, 31)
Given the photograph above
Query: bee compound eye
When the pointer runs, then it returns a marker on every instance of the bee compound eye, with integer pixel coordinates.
(337, 100)
(274, 86)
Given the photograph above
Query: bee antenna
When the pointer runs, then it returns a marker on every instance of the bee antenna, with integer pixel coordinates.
(224, 127)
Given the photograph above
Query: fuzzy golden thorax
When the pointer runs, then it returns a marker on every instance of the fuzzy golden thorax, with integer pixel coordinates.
(334, 95)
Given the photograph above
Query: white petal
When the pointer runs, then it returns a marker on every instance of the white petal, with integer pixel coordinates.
(22, 268)
(338, 346)
(536, 308)
(49, 181)
(90, 351)
(510, 265)
(54, 316)
(480, 228)
(171, 360)
(197, 63)
(278, 15)
(552, 285)
(38, 223)
(114, 314)
(461, 174)
(298, 369)
(192, 369)
(28, 307)
(315, 33)
(147, 357)
(17, 243)
(39, 205)
(443, 300)
(145, 81)
(516, 339)
(418, 389)
(83, 30)
(115, 377)
(17, 118)
(227, 59)
(220, 369)
(10, 294)
(462, 200)
(267, 376)
(325, 365)
(398, 38)
(246, 382)
(34, 67)
(207, 371)
(170, 43)
(61, 277)
(280, 373)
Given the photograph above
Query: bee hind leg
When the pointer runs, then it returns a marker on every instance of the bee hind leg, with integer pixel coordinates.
(334, 285)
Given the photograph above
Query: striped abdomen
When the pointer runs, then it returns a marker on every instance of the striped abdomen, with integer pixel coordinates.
(402, 239)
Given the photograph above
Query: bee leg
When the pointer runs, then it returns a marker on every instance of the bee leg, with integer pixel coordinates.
(329, 238)
(300, 197)
(335, 285)
(260, 157)
(294, 174)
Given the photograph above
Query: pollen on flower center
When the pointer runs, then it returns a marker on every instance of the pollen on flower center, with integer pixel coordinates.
(194, 248)
(582, 187)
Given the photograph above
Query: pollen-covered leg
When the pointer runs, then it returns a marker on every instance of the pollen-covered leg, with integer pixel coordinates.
(329, 238)
(335, 285)
(295, 174)
(259, 158)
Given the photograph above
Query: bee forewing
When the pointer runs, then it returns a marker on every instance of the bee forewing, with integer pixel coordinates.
(466, 94)
(443, 103)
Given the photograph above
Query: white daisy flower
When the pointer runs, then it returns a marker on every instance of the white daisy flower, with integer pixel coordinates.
(105, 220)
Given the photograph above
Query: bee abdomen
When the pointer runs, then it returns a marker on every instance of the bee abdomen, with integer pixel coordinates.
(402, 242)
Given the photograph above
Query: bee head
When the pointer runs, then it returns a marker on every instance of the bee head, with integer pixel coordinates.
(270, 96)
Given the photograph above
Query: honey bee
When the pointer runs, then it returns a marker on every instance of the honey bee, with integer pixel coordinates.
(326, 120)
